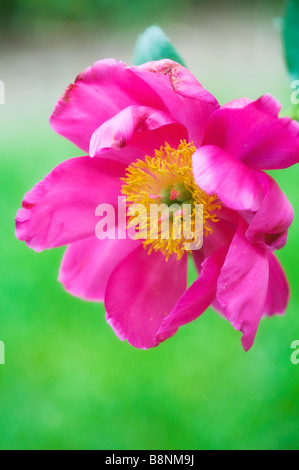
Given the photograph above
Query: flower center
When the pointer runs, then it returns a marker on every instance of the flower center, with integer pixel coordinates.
(164, 190)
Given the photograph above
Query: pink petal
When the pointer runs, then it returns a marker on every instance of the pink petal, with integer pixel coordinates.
(98, 94)
(217, 172)
(184, 97)
(179, 78)
(197, 298)
(278, 295)
(243, 285)
(61, 208)
(252, 132)
(222, 235)
(269, 225)
(141, 291)
(237, 103)
(267, 104)
(87, 265)
(139, 130)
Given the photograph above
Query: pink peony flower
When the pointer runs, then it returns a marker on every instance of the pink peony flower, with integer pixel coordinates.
(152, 133)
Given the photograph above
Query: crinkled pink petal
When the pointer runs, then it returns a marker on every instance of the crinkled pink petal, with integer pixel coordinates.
(180, 79)
(139, 130)
(61, 208)
(217, 172)
(184, 97)
(109, 86)
(253, 133)
(97, 95)
(278, 295)
(141, 292)
(197, 298)
(243, 285)
(87, 265)
(270, 224)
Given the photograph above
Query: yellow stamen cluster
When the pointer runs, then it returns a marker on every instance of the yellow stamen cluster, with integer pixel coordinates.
(167, 179)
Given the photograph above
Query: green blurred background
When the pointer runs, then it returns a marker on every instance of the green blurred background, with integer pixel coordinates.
(68, 382)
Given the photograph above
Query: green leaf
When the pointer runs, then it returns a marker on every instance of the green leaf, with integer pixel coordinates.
(291, 38)
(153, 44)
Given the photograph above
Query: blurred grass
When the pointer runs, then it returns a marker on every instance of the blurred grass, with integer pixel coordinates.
(69, 383)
